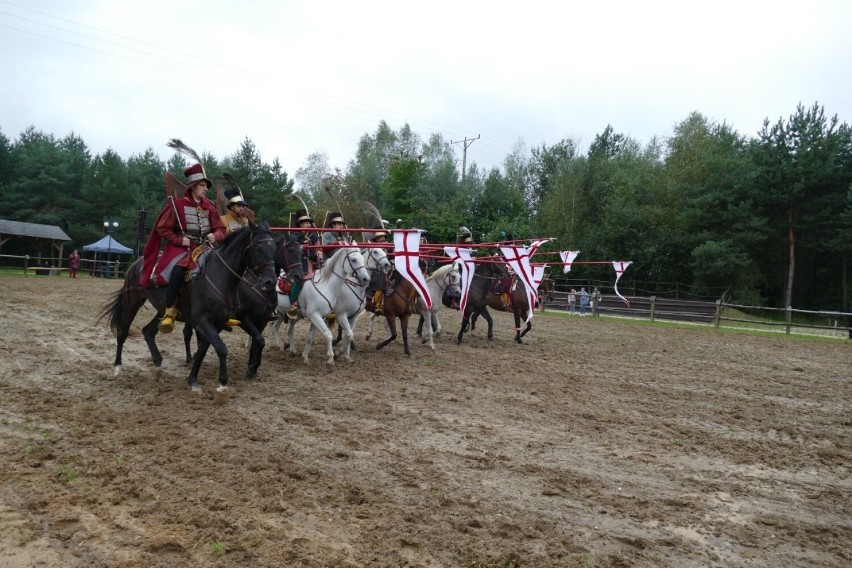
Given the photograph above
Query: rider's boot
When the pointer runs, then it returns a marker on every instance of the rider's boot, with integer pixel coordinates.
(232, 322)
(167, 324)
(377, 300)
(293, 312)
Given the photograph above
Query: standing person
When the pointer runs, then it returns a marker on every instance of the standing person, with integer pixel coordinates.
(238, 211)
(596, 302)
(572, 302)
(183, 225)
(311, 257)
(849, 319)
(73, 263)
(584, 301)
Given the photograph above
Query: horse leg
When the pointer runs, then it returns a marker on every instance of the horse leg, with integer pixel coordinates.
(426, 317)
(464, 325)
(518, 327)
(528, 328)
(390, 324)
(149, 332)
(275, 326)
(403, 323)
(221, 394)
(256, 350)
(291, 336)
(490, 321)
(124, 312)
(370, 319)
(420, 328)
(436, 325)
(187, 340)
(473, 317)
(200, 353)
(308, 342)
(345, 332)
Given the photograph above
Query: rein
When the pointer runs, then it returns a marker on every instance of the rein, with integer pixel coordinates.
(240, 277)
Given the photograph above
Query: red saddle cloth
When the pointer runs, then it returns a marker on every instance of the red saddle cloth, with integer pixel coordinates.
(284, 284)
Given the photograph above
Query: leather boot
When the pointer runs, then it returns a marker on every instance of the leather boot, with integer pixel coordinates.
(167, 324)
(231, 322)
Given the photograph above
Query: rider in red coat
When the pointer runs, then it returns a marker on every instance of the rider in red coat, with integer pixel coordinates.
(183, 225)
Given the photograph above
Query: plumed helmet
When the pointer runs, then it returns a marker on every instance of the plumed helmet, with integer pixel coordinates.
(464, 236)
(333, 217)
(195, 174)
(234, 197)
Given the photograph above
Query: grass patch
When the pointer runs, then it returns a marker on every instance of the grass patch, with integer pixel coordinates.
(218, 547)
(67, 474)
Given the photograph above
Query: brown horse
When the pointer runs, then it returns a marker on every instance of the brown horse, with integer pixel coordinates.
(546, 291)
(514, 301)
(402, 302)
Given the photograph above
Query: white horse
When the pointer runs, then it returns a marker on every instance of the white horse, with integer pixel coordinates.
(446, 279)
(338, 286)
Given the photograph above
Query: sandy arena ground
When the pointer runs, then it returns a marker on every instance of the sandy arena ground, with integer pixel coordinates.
(598, 443)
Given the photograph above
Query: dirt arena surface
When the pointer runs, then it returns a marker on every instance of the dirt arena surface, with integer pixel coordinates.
(598, 443)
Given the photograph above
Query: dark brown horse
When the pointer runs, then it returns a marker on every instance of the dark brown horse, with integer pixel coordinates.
(514, 301)
(206, 303)
(402, 302)
(484, 276)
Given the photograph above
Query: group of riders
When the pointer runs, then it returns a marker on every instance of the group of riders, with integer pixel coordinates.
(190, 224)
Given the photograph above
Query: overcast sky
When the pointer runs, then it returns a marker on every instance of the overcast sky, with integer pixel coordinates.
(298, 77)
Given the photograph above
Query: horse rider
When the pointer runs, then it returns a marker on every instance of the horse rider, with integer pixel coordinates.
(333, 238)
(311, 257)
(182, 226)
(375, 289)
(464, 236)
(238, 211)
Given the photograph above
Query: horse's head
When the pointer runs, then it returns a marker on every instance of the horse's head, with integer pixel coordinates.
(259, 255)
(288, 256)
(452, 290)
(377, 259)
(354, 267)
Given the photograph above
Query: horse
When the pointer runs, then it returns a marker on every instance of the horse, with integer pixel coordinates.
(444, 283)
(205, 303)
(255, 305)
(546, 291)
(339, 286)
(375, 261)
(401, 302)
(517, 305)
(477, 298)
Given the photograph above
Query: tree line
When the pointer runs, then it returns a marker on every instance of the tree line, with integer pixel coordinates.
(767, 218)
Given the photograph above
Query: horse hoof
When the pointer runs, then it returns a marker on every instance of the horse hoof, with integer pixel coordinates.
(220, 396)
(195, 388)
(116, 370)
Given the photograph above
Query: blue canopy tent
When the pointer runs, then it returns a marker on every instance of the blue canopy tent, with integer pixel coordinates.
(107, 245)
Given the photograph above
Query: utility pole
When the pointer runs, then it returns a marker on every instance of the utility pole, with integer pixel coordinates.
(465, 145)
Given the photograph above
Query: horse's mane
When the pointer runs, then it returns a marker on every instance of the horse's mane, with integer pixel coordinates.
(441, 272)
(333, 262)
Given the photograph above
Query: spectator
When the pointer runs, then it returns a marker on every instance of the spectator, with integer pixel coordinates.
(584, 301)
(73, 263)
(572, 302)
(596, 302)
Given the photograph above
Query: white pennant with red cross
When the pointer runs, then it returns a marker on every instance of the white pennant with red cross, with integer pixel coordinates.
(518, 258)
(406, 259)
(463, 257)
(568, 257)
(620, 266)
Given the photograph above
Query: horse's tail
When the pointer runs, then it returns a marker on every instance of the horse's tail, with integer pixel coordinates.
(113, 311)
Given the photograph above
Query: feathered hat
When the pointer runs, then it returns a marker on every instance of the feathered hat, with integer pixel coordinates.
(333, 217)
(194, 173)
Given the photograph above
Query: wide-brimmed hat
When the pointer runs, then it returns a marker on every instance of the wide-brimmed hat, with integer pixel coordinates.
(234, 197)
(333, 217)
(298, 216)
(194, 174)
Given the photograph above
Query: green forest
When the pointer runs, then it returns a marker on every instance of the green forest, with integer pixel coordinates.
(766, 217)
